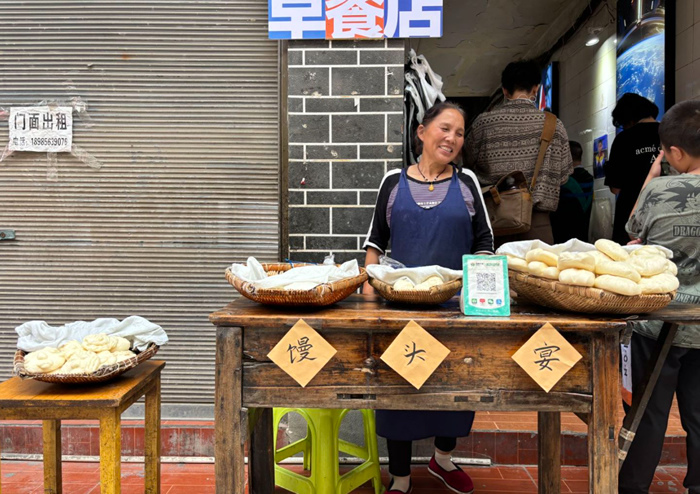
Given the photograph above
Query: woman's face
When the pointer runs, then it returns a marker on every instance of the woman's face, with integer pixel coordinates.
(443, 138)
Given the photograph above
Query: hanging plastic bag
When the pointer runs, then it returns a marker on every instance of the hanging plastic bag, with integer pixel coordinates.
(388, 261)
(601, 220)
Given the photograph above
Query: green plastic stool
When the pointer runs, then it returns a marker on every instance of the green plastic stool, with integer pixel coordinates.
(320, 447)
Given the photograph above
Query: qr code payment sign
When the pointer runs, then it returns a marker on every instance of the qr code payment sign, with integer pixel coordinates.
(486, 282)
(486, 290)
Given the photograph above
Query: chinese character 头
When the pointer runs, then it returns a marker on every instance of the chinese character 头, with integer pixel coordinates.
(302, 348)
(545, 354)
(413, 354)
(355, 19)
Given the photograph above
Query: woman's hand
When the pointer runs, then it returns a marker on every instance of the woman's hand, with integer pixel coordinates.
(635, 241)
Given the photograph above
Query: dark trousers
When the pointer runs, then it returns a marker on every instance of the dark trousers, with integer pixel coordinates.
(680, 374)
(400, 454)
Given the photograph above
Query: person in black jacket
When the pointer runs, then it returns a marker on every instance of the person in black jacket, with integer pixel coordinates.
(631, 156)
(573, 215)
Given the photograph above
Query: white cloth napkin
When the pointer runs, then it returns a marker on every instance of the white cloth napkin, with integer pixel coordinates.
(35, 335)
(301, 278)
(418, 275)
(521, 248)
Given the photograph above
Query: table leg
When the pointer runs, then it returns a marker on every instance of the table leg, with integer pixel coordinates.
(261, 456)
(602, 448)
(229, 435)
(640, 399)
(110, 452)
(52, 457)
(152, 439)
(549, 445)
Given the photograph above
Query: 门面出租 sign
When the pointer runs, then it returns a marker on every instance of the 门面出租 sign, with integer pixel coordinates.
(354, 19)
(41, 128)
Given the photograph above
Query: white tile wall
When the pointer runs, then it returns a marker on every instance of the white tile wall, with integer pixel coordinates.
(687, 50)
(588, 90)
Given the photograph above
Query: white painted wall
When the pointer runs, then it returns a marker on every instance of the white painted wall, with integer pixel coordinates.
(588, 90)
(687, 50)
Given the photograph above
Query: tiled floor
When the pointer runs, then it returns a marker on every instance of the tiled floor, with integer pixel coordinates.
(527, 421)
(83, 478)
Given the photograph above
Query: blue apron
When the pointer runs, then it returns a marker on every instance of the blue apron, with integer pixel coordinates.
(422, 237)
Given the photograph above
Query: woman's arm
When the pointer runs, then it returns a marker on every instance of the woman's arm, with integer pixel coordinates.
(372, 257)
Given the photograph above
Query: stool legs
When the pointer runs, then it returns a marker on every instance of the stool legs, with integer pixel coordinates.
(152, 439)
(52, 457)
(110, 452)
(324, 460)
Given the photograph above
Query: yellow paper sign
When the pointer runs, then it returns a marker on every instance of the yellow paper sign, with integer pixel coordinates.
(415, 354)
(547, 357)
(302, 353)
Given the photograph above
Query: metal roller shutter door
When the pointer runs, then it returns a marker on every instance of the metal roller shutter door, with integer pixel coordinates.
(184, 101)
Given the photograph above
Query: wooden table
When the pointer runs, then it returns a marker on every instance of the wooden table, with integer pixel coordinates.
(34, 400)
(478, 374)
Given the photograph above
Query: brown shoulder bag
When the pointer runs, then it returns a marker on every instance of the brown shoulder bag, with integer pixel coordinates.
(509, 201)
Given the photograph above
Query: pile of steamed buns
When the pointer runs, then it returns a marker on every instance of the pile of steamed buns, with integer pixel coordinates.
(74, 357)
(644, 271)
(405, 284)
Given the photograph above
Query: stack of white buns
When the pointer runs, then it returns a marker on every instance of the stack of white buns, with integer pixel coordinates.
(405, 284)
(74, 357)
(644, 271)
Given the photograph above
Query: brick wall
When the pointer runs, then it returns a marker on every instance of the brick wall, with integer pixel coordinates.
(345, 131)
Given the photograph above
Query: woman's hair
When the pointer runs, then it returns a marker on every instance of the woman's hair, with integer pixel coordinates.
(522, 75)
(431, 115)
(631, 108)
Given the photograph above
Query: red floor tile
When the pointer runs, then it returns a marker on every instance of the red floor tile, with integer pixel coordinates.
(83, 478)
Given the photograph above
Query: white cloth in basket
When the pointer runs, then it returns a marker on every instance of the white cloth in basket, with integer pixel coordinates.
(521, 248)
(300, 278)
(35, 335)
(417, 275)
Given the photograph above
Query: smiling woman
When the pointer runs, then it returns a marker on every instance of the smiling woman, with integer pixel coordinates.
(433, 214)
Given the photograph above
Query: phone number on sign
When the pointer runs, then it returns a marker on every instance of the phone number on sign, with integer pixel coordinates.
(49, 141)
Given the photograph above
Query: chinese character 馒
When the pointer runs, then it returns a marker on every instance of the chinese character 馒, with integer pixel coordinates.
(356, 18)
(545, 354)
(413, 354)
(303, 347)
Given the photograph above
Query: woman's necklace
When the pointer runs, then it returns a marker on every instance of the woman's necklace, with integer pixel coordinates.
(431, 188)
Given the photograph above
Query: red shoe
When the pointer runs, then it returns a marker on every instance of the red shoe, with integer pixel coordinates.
(456, 480)
(396, 491)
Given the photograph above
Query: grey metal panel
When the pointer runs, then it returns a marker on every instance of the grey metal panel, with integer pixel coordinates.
(184, 101)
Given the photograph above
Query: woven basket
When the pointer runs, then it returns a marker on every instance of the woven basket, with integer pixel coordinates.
(555, 295)
(100, 375)
(436, 295)
(325, 294)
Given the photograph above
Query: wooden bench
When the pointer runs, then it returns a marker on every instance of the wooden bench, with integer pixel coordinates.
(34, 400)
